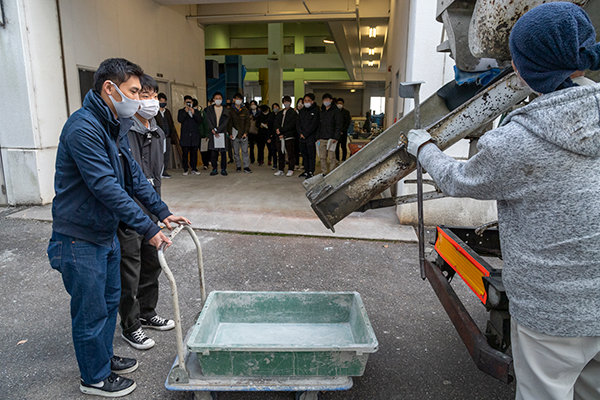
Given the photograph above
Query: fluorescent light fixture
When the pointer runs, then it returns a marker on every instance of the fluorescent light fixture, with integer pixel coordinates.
(371, 51)
(370, 63)
(352, 90)
(373, 32)
(328, 41)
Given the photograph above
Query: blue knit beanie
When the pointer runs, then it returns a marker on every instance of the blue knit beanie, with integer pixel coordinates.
(552, 41)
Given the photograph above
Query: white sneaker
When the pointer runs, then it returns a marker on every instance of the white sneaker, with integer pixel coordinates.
(186, 173)
(138, 339)
(278, 173)
(290, 173)
(195, 172)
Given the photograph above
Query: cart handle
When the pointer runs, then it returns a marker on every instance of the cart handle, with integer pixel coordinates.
(180, 374)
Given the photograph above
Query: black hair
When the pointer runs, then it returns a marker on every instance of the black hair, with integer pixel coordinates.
(187, 97)
(286, 98)
(300, 100)
(264, 108)
(254, 101)
(275, 104)
(310, 96)
(238, 96)
(217, 94)
(194, 102)
(148, 83)
(340, 99)
(161, 95)
(327, 96)
(117, 70)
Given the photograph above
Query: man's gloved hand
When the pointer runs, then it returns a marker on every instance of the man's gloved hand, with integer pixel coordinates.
(417, 138)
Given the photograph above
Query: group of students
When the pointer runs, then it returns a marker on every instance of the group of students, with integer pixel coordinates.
(243, 131)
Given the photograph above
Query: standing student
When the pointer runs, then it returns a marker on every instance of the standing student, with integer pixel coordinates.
(308, 129)
(264, 122)
(217, 121)
(240, 125)
(205, 139)
(346, 120)
(190, 120)
(95, 181)
(275, 108)
(253, 132)
(139, 259)
(299, 106)
(164, 119)
(330, 127)
(285, 129)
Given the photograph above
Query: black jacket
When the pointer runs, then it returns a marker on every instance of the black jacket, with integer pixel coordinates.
(287, 127)
(308, 122)
(346, 120)
(166, 123)
(190, 128)
(269, 120)
(211, 123)
(331, 123)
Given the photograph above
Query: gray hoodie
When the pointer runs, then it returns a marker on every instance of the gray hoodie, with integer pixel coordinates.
(543, 167)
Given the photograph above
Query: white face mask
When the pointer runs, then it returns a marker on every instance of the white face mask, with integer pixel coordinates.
(340, 106)
(218, 102)
(126, 108)
(238, 102)
(287, 105)
(326, 103)
(307, 104)
(148, 108)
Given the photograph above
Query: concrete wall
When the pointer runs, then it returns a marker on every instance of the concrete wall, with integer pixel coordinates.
(423, 63)
(94, 30)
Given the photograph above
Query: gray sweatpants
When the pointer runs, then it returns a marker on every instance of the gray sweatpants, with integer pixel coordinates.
(239, 143)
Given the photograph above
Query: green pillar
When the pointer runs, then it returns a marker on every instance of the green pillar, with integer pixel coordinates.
(298, 72)
(275, 63)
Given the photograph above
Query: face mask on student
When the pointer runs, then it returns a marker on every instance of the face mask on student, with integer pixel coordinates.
(238, 102)
(307, 104)
(326, 103)
(275, 109)
(126, 108)
(287, 105)
(340, 106)
(162, 105)
(148, 108)
(218, 102)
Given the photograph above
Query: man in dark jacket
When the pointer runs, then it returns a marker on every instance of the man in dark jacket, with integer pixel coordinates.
(343, 142)
(217, 121)
(95, 181)
(285, 129)
(240, 128)
(139, 259)
(164, 119)
(264, 122)
(308, 128)
(329, 133)
(190, 120)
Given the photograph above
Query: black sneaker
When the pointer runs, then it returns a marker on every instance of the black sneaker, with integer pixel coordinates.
(239, 169)
(158, 323)
(309, 175)
(303, 175)
(214, 172)
(123, 365)
(113, 386)
(223, 172)
(247, 170)
(138, 339)
(165, 175)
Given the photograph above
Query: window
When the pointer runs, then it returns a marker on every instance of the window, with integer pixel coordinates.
(378, 104)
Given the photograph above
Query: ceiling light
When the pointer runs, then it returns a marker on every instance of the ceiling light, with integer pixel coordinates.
(373, 32)
(328, 41)
(352, 90)
(370, 63)
(371, 51)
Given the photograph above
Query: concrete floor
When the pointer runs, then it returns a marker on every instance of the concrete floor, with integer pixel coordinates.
(420, 355)
(259, 203)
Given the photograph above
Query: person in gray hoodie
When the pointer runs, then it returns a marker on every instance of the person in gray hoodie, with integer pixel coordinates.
(542, 165)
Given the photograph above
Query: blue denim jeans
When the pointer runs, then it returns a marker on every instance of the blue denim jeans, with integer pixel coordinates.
(91, 276)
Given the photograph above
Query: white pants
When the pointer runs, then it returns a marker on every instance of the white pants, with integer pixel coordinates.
(554, 367)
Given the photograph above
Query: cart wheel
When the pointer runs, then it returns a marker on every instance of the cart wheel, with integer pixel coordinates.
(308, 395)
(205, 395)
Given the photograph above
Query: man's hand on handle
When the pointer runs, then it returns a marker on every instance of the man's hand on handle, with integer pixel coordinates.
(177, 219)
(158, 239)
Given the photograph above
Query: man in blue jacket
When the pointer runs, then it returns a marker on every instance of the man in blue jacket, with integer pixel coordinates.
(96, 178)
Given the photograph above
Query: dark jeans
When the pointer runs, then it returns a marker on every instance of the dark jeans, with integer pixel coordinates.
(290, 151)
(309, 153)
(139, 279)
(91, 276)
(192, 152)
(167, 155)
(342, 144)
(297, 150)
(214, 155)
(272, 153)
(205, 158)
(252, 143)
(260, 143)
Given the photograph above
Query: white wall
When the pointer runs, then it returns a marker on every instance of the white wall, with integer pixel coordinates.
(424, 63)
(94, 30)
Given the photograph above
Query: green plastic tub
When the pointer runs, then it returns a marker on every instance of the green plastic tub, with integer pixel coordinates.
(258, 334)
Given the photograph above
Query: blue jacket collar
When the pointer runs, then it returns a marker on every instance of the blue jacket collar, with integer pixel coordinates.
(96, 105)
